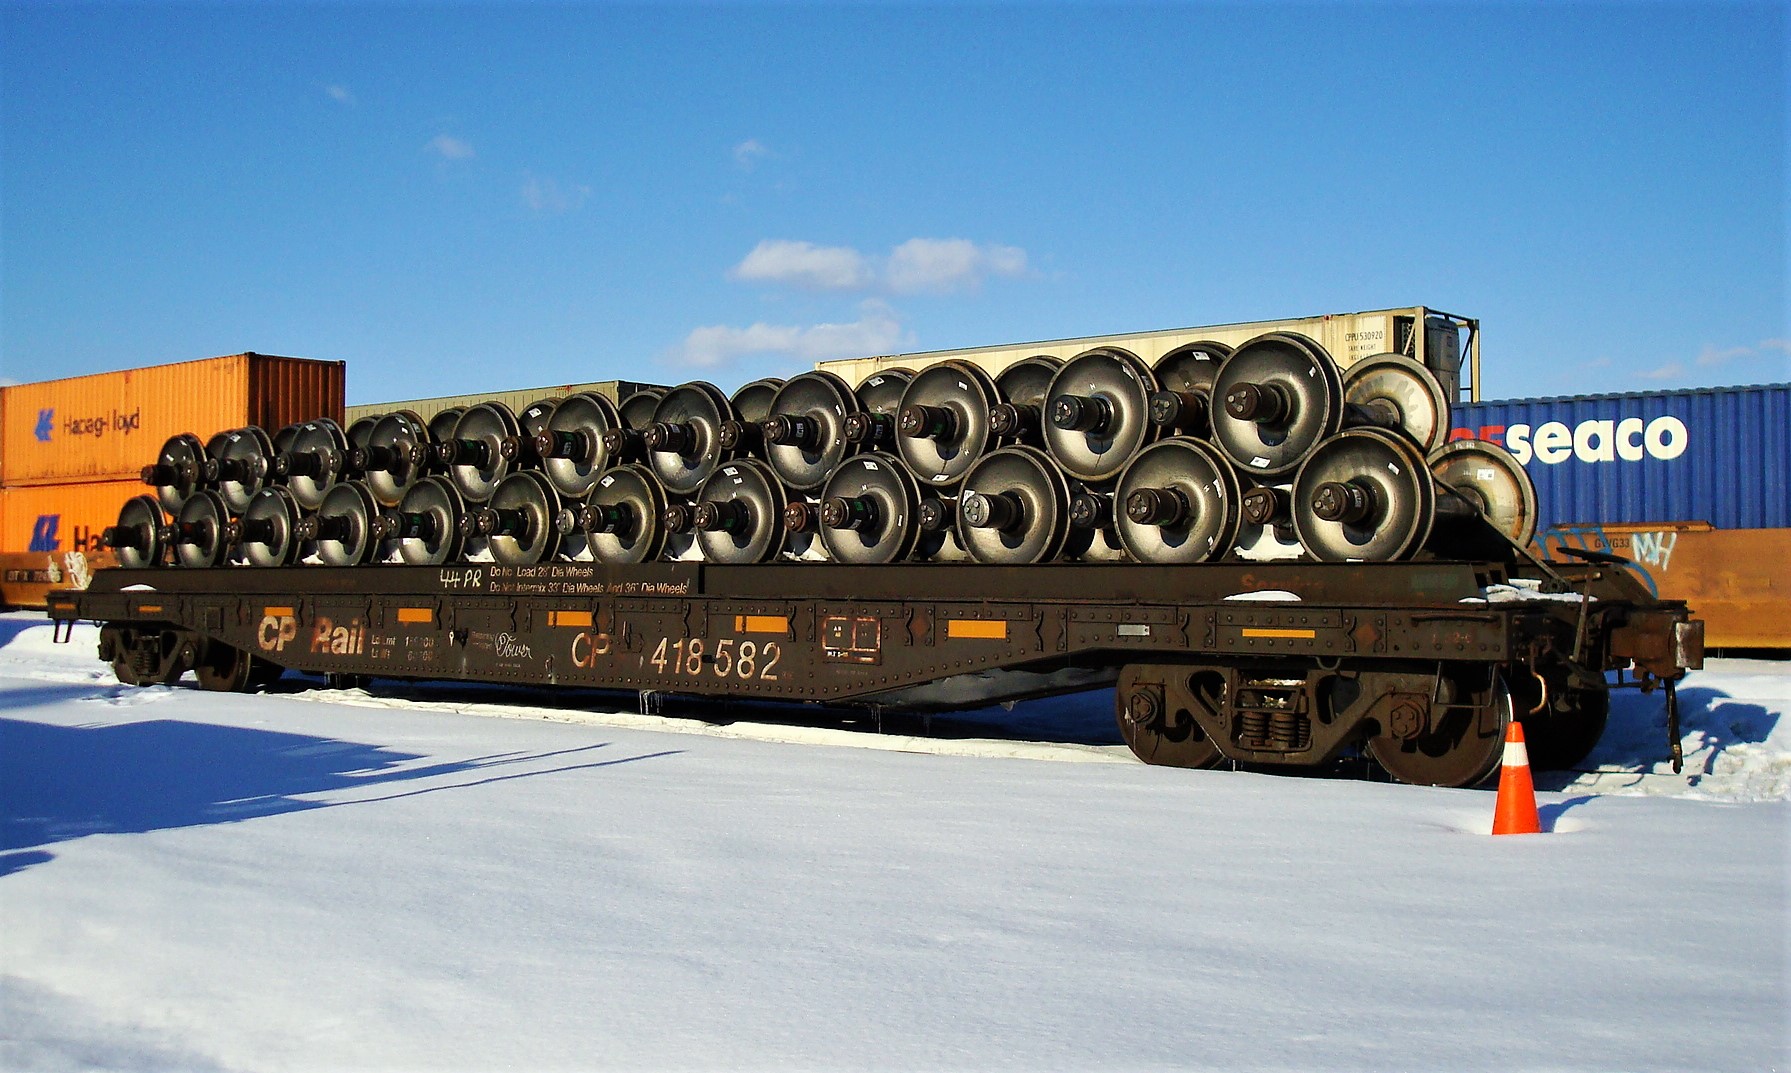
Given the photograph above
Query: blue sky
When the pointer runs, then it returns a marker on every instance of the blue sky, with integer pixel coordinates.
(456, 198)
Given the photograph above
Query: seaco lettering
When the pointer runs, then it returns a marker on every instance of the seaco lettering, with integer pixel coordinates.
(1597, 440)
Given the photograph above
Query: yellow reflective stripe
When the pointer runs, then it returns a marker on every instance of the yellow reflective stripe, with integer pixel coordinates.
(982, 629)
(761, 624)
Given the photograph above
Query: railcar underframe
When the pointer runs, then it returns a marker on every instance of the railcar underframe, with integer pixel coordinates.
(1258, 663)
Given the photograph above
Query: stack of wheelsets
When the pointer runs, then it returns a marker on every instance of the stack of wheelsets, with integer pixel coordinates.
(1268, 452)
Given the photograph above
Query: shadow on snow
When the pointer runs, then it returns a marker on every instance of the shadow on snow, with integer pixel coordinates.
(1635, 737)
(60, 782)
(11, 626)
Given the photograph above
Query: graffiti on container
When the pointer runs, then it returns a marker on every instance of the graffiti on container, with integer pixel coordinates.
(1654, 549)
(1645, 552)
(76, 570)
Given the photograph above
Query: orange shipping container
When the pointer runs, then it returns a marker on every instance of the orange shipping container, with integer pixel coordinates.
(58, 518)
(26, 578)
(108, 426)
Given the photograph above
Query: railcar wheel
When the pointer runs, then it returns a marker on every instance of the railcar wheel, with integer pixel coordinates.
(483, 450)
(1185, 377)
(753, 401)
(1568, 726)
(1267, 531)
(1394, 391)
(621, 521)
(360, 431)
(943, 426)
(628, 442)
(804, 433)
(313, 461)
(1178, 502)
(266, 533)
(137, 538)
(1276, 399)
(684, 441)
(441, 426)
(520, 522)
(1024, 388)
(396, 455)
(115, 649)
(739, 514)
(870, 511)
(427, 524)
(244, 462)
(1027, 382)
(637, 409)
(1364, 495)
(1462, 747)
(1163, 738)
(1493, 481)
(124, 672)
(573, 447)
(1014, 508)
(1099, 413)
(223, 668)
(175, 474)
(873, 427)
(343, 525)
(532, 419)
(199, 537)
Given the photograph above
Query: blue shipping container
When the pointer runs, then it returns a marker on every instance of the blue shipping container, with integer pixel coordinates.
(1717, 455)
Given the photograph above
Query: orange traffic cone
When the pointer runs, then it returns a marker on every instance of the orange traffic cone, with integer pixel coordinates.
(1515, 813)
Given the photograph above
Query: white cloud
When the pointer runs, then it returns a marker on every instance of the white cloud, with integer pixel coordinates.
(1668, 371)
(339, 93)
(803, 264)
(949, 264)
(450, 147)
(749, 152)
(876, 331)
(1712, 356)
(550, 197)
(917, 266)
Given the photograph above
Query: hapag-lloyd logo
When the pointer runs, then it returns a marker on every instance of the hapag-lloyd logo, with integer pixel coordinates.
(1630, 439)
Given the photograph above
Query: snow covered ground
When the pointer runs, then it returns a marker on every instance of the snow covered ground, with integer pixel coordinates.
(332, 880)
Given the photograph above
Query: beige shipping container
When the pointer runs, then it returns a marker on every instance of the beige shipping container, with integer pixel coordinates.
(108, 426)
(1434, 338)
(516, 399)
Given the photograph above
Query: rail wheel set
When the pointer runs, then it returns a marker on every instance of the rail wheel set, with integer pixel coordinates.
(1275, 561)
